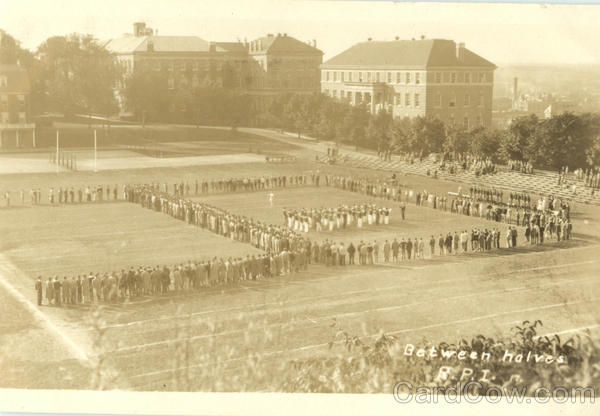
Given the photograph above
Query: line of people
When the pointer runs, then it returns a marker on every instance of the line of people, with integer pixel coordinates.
(148, 281)
(99, 193)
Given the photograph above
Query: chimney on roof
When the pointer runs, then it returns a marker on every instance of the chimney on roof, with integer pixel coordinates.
(422, 37)
(460, 51)
(314, 43)
(397, 38)
(413, 39)
(139, 29)
(370, 39)
(212, 47)
(260, 44)
(270, 35)
(285, 35)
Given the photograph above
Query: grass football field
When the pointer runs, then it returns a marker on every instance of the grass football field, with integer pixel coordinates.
(440, 299)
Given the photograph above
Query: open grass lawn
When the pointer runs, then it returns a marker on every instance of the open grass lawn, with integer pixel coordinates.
(178, 139)
(66, 240)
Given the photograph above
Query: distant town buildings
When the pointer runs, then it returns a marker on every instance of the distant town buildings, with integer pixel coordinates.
(427, 77)
(261, 68)
(16, 126)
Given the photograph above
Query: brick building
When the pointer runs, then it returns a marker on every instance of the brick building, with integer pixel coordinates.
(409, 78)
(281, 64)
(261, 68)
(16, 126)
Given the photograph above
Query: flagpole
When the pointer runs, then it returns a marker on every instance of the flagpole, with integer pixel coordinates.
(95, 153)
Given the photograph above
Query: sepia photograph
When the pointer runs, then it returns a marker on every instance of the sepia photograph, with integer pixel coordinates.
(388, 202)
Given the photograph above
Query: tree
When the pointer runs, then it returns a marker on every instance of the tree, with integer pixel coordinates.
(457, 141)
(378, 130)
(563, 141)
(427, 136)
(79, 75)
(484, 143)
(147, 95)
(516, 139)
(400, 131)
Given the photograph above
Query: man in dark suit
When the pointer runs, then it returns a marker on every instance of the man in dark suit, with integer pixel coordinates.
(38, 289)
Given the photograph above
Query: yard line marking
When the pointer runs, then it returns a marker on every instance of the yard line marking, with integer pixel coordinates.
(329, 317)
(312, 298)
(493, 315)
(569, 331)
(77, 351)
(315, 346)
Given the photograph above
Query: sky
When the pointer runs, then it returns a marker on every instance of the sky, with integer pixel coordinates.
(502, 33)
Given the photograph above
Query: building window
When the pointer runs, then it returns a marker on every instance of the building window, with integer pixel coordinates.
(195, 81)
(438, 101)
(488, 77)
(398, 74)
(376, 76)
(438, 77)
(407, 100)
(4, 98)
(466, 123)
(326, 73)
(360, 77)
(183, 66)
(349, 76)
(170, 67)
(4, 118)
(452, 120)
(399, 99)
(195, 67)
(467, 77)
(453, 77)
(342, 76)
(481, 100)
(3, 81)
(417, 78)
(171, 83)
(467, 100)
(389, 77)
(408, 77)
(452, 102)
(21, 98)
(417, 100)
(481, 77)
(368, 77)
(157, 66)
(21, 117)
(479, 122)
(334, 76)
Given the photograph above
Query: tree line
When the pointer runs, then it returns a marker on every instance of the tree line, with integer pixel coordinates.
(566, 139)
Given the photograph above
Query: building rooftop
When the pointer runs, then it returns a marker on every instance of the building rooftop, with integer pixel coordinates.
(17, 79)
(424, 53)
(281, 43)
(132, 44)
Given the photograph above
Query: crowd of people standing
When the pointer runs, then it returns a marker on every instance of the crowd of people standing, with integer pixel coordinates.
(330, 219)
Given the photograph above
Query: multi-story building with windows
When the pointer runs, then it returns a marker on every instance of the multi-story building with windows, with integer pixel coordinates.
(281, 64)
(409, 78)
(262, 68)
(16, 126)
